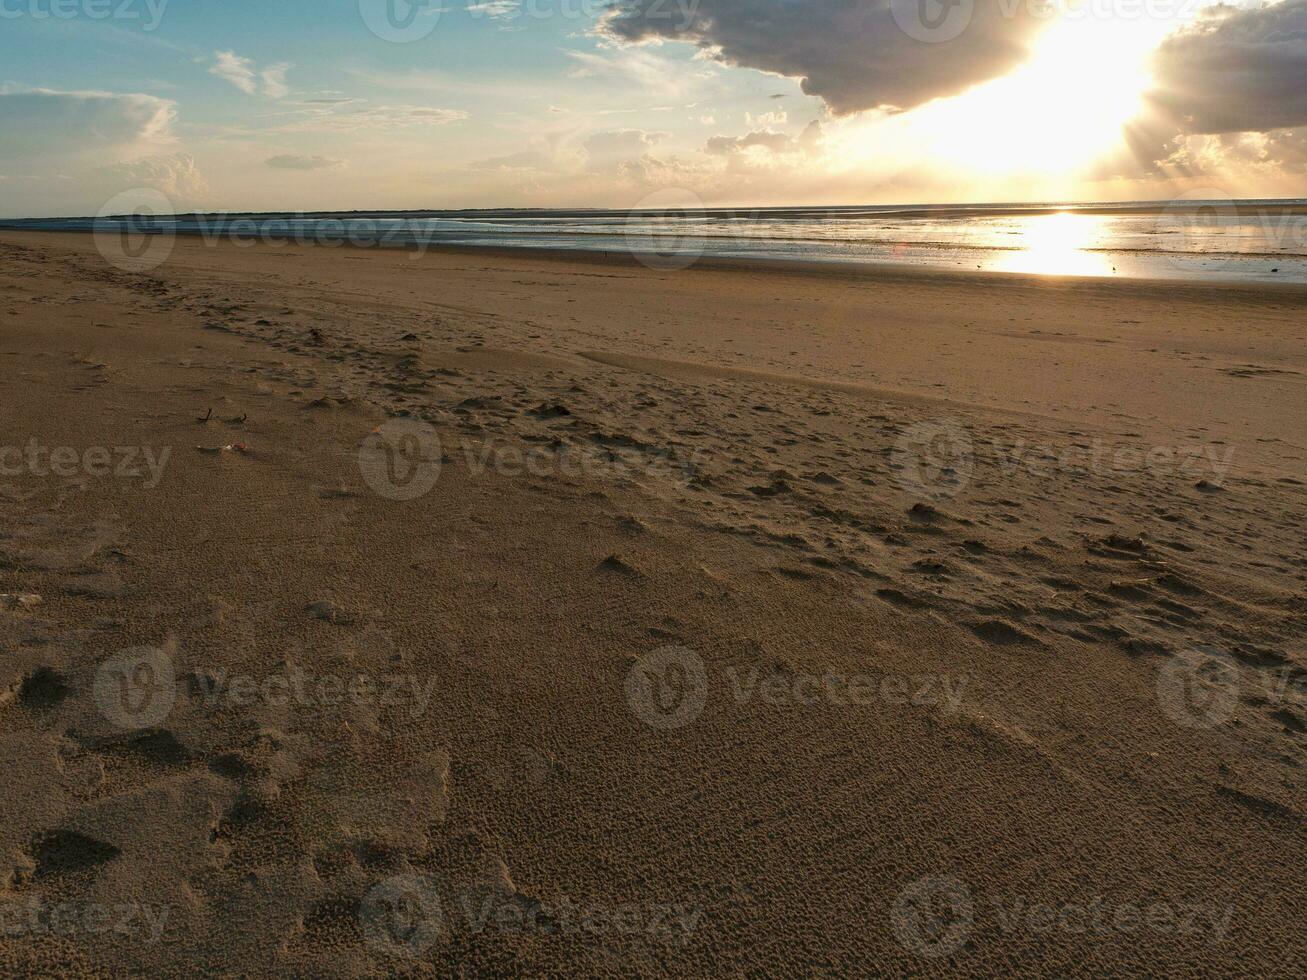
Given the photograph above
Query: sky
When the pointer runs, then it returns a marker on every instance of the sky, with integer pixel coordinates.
(250, 105)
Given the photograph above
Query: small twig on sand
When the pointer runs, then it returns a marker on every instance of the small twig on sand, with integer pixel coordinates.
(208, 415)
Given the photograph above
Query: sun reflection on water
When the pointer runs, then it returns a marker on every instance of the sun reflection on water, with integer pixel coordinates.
(1057, 245)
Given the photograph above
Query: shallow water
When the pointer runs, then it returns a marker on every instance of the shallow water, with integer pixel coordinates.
(1246, 240)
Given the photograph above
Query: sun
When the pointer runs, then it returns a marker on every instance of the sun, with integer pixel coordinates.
(1062, 110)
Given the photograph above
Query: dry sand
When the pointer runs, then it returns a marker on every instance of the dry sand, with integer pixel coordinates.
(755, 620)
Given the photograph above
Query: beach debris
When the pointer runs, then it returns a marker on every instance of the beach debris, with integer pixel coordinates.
(206, 417)
(19, 600)
(235, 447)
(315, 335)
(1207, 487)
(237, 420)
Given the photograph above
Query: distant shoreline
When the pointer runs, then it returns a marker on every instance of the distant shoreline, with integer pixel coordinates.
(865, 269)
(1274, 206)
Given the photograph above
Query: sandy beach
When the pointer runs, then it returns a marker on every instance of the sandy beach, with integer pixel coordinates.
(512, 614)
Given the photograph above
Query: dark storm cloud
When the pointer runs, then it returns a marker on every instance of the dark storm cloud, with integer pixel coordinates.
(1237, 70)
(854, 54)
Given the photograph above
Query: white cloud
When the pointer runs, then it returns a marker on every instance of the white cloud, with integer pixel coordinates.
(764, 139)
(352, 116)
(1235, 158)
(495, 9)
(85, 188)
(242, 73)
(40, 123)
(637, 66)
(768, 149)
(231, 67)
(177, 176)
(274, 81)
(767, 119)
(549, 154)
(609, 149)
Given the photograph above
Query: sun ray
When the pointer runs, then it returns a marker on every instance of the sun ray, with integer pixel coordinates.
(1069, 106)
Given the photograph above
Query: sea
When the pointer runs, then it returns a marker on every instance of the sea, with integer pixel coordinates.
(1245, 240)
